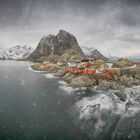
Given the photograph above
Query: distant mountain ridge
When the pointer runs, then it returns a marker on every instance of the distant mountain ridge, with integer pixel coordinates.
(62, 46)
(93, 53)
(112, 59)
(15, 52)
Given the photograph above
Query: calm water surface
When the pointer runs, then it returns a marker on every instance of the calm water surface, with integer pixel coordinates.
(33, 107)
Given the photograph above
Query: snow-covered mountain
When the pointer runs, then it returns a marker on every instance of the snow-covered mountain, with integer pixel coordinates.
(15, 52)
(93, 53)
(112, 59)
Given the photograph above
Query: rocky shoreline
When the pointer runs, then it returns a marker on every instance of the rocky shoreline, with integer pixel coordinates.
(112, 109)
(116, 103)
(121, 78)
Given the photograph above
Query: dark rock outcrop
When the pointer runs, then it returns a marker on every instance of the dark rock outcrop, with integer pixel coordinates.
(121, 95)
(54, 47)
(83, 81)
(122, 63)
(105, 85)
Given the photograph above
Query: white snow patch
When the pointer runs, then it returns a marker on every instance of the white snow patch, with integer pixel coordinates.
(109, 101)
(110, 65)
(101, 101)
(68, 89)
(87, 50)
(30, 69)
(50, 76)
(62, 82)
(133, 95)
(81, 92)
(15, 52)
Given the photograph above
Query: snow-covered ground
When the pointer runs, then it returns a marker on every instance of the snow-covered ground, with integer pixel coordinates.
(105, 113)
(64, 86)
(50, 76)
(110, 101)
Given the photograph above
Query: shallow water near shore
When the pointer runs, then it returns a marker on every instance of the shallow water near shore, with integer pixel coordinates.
(33, 107)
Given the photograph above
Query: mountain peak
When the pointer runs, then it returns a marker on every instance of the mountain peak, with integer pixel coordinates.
(64, 36)
(50, 36)
(62, 31)
(55, 46)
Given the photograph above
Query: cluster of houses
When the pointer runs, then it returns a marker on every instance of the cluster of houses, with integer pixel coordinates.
(75, 63)
(80, 63)
(85, 64)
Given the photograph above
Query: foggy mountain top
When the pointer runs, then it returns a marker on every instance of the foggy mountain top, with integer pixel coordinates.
(112, 26)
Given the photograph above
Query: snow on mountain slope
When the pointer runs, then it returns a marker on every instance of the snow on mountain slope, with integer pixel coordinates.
(15, 52)
(112, 59)
(93, 53)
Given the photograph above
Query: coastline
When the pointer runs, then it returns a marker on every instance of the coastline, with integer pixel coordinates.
(105, 113)
(126, 77)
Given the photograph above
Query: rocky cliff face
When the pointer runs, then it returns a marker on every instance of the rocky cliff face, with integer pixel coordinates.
(54, 47)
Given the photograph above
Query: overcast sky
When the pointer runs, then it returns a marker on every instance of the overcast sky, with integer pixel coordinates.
(112, 26)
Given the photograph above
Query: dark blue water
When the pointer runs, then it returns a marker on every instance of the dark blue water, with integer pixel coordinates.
(33, 107)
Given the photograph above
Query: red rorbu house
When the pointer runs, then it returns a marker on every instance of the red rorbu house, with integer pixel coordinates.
(91, 72)
(86, 63)
(60, 63)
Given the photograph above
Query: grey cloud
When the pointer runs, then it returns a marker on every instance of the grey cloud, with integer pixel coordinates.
(131, 38)
(104, 24)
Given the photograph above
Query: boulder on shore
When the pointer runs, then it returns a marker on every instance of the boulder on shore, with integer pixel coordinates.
(61, 72)
(122, 63)
(83, 81)
(68, 77)
(121, 95)
(45, 67)
(106, 85)
(100, 66)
